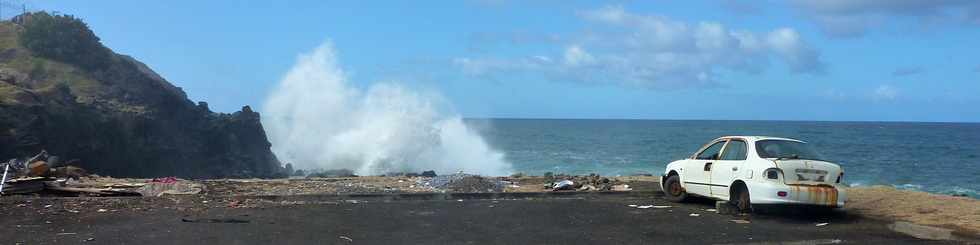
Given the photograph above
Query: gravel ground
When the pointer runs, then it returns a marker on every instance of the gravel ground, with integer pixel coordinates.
(958, 213)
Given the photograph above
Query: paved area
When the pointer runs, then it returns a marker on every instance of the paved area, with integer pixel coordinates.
(563, 220)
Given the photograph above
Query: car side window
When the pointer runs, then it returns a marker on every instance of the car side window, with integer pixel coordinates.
(734, 151)
(711, 153)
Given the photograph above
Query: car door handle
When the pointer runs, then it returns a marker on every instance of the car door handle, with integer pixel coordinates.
(707, 166)
(734, 168)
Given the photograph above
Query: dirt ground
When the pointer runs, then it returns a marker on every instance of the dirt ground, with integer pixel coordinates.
(958, 213)
(559, 219)
(961, 214)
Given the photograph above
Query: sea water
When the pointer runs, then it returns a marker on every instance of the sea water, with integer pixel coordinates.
(934, 157)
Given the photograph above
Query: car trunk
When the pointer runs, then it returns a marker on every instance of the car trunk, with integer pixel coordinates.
(808, 172)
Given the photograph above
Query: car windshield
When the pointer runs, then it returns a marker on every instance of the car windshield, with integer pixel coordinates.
(786, 149)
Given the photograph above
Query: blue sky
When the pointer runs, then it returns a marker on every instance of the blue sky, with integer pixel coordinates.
(866, 60)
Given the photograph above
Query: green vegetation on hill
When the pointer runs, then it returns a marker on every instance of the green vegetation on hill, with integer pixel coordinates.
(63, 38)
(61, 90)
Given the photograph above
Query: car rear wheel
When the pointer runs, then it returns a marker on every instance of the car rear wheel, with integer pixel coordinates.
(673, 190)
(741, 199)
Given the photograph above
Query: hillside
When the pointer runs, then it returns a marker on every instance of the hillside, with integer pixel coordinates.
(63, 91)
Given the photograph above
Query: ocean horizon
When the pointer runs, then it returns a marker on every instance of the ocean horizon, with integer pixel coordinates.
(937, 157)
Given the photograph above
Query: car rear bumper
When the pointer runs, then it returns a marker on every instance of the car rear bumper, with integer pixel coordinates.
(817, 195)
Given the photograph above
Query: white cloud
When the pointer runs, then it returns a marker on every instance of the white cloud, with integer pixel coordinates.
(885, 93)
(853, 18)
(576, 56)
(471, 67)
(798, 54)
(609, 14)
(654, 51)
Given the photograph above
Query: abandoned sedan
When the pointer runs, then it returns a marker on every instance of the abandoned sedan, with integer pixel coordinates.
(748, 170)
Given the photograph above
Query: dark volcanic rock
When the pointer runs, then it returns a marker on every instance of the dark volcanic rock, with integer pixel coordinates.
(333, 173)
(118, 118)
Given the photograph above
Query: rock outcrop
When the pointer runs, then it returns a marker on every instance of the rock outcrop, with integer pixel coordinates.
(114, 114)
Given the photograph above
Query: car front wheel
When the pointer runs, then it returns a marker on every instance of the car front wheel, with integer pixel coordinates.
(673, 190)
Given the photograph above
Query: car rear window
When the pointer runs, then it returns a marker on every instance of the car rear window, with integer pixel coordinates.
(787, 149)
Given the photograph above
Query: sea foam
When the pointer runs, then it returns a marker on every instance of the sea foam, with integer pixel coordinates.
(316, 119)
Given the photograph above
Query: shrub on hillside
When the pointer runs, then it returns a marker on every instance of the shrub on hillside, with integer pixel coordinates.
(63, 38)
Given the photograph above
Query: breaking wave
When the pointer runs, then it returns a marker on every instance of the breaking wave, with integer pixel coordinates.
(315, 119)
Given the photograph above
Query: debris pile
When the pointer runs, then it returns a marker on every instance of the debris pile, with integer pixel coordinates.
(45, 175)
(461, 182)
(313, 186)
(473, 183)
(593, 182)
(42, 165)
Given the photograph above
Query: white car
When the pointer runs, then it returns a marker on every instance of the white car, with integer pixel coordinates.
(748, 170)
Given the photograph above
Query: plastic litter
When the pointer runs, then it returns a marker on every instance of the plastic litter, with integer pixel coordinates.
(6, 168)
(563, 185)
(347, 238)
(646, 206)
(588, 188)
(822, 224)
(694, 215)
(621, 188)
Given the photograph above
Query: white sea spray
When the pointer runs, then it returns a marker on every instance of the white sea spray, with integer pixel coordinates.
(316, 119)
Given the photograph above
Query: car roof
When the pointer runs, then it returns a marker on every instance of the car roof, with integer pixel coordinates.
(758, 138)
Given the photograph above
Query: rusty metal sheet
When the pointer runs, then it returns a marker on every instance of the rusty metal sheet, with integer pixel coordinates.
(815, 194)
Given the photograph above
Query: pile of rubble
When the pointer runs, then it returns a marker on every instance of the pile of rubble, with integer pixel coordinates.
(313, 186)
(460, 182)
(45, 174)
(593, 182)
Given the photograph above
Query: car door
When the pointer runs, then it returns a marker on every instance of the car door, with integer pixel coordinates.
(727, 166)
(697, 171)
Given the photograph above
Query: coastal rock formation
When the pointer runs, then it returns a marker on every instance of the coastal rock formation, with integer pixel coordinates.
(62, 91)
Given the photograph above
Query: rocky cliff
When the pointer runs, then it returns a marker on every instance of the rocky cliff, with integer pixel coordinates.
(63, 91)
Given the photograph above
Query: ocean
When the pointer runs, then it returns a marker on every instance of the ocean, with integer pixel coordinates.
(934, 157)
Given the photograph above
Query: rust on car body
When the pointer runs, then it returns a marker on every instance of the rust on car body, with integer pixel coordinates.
(815, 194)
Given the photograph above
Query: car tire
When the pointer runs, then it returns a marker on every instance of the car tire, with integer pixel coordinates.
(672, 189)
(741, 200)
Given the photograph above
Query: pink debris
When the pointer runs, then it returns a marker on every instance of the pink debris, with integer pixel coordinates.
(165, 180)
